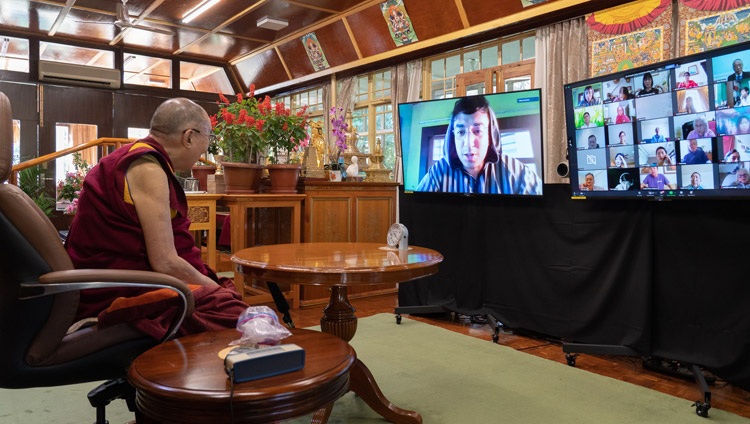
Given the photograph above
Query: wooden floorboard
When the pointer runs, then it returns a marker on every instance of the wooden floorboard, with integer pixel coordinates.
(723, 395)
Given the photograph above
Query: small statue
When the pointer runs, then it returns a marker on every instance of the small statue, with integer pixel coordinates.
(318, 142)
(353, 169)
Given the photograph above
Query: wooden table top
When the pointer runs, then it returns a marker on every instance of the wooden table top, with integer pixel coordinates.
(336, 263)
(184, 380)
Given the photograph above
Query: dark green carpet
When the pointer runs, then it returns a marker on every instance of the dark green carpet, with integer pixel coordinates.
(453, 379)
(447, 377)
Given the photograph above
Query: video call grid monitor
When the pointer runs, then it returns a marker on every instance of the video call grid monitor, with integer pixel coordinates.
(676, 129)
(429, 131)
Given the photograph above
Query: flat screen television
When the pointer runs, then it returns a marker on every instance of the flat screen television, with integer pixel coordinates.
(451, 145)
(676, 129)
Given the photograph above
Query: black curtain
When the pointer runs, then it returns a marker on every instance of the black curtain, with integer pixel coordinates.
(662, 278)
(702, 296)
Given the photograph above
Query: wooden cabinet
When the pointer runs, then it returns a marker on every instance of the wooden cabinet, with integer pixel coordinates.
(347, 211)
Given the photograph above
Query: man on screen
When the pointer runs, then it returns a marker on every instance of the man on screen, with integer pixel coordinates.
(473, 161)
(655, 180)
(695, 182)
(695, 154)
(589, 183)
(657, 138)
(592, 142)
(738, 73)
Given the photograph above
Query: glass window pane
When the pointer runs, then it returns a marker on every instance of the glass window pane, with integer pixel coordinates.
(437, 69)
(14, 54)
(517, 84)
(529, 48)
(452, 66)
(360, 124)
(71, 135)
(471, 61)
(54, 52)
(438, 90)
(511, 52)
(489, 57)
(137, 133)
(147, 70)
(389, 151)
(207, 78)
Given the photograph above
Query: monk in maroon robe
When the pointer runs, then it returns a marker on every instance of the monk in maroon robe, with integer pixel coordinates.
(132, 214)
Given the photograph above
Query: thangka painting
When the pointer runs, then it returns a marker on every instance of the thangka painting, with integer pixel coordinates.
(399, 23)
(706, 30)
(626, 51)
(314, 52)
(628, 36)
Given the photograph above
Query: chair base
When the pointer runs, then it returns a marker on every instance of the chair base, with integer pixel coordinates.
(108, 391)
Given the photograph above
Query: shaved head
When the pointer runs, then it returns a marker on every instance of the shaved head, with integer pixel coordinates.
(183, 128)
(175, 115)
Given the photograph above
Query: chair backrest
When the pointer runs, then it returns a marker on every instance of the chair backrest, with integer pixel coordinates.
(30, 330)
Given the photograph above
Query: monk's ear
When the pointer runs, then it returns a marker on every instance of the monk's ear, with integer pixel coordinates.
(187, 138)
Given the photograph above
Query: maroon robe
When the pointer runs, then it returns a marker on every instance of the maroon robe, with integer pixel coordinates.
(106, 234)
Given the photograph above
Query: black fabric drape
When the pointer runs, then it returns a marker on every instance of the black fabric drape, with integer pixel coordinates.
(665, 279)
(702, 295)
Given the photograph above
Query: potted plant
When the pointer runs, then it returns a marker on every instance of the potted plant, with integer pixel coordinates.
(339, 127)
(239, 127)
(69, 188)
(285, 134)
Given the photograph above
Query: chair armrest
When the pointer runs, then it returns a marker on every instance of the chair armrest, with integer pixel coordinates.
(79, 279)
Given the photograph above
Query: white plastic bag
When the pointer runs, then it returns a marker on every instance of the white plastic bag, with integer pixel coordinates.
(260, 325)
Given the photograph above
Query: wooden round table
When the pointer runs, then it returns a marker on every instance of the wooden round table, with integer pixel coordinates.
(184, 381)
(339, 265)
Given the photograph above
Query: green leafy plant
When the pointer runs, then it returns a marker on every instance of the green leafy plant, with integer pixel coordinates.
(285, 132)
(31, 181)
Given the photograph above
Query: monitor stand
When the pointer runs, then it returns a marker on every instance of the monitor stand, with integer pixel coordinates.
(572, 350)
(419, 309)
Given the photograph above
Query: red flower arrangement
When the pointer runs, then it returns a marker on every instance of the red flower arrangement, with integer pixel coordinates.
(249, 128)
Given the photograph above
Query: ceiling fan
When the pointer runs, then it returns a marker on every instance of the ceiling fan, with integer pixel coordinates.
(123, 21)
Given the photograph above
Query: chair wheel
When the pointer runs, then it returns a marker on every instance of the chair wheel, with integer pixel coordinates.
(701, 409)
(398, 319)
(571, 359)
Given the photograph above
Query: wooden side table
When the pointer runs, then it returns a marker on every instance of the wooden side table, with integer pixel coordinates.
(241, 206)
(202, 214)
(340, 266)
(184, 381)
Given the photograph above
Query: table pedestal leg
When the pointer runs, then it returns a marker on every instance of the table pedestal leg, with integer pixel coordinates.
(338, 317)
(339, 320)
(363, 384)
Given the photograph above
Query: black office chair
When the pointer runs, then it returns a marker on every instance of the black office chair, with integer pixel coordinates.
(39, 297)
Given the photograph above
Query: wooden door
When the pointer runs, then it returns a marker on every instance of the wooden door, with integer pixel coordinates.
(499, 79)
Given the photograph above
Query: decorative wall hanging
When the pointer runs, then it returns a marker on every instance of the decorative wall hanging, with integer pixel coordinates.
(399, 23)
(628, 36)
(712, 24)
(314, 52)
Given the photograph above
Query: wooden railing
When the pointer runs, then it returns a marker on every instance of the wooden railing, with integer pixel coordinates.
(103, 141)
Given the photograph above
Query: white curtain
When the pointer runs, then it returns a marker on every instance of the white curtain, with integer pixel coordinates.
(561, 57)
(406, 80)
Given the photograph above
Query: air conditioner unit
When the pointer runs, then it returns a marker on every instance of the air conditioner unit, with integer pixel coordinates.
(67, 73)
